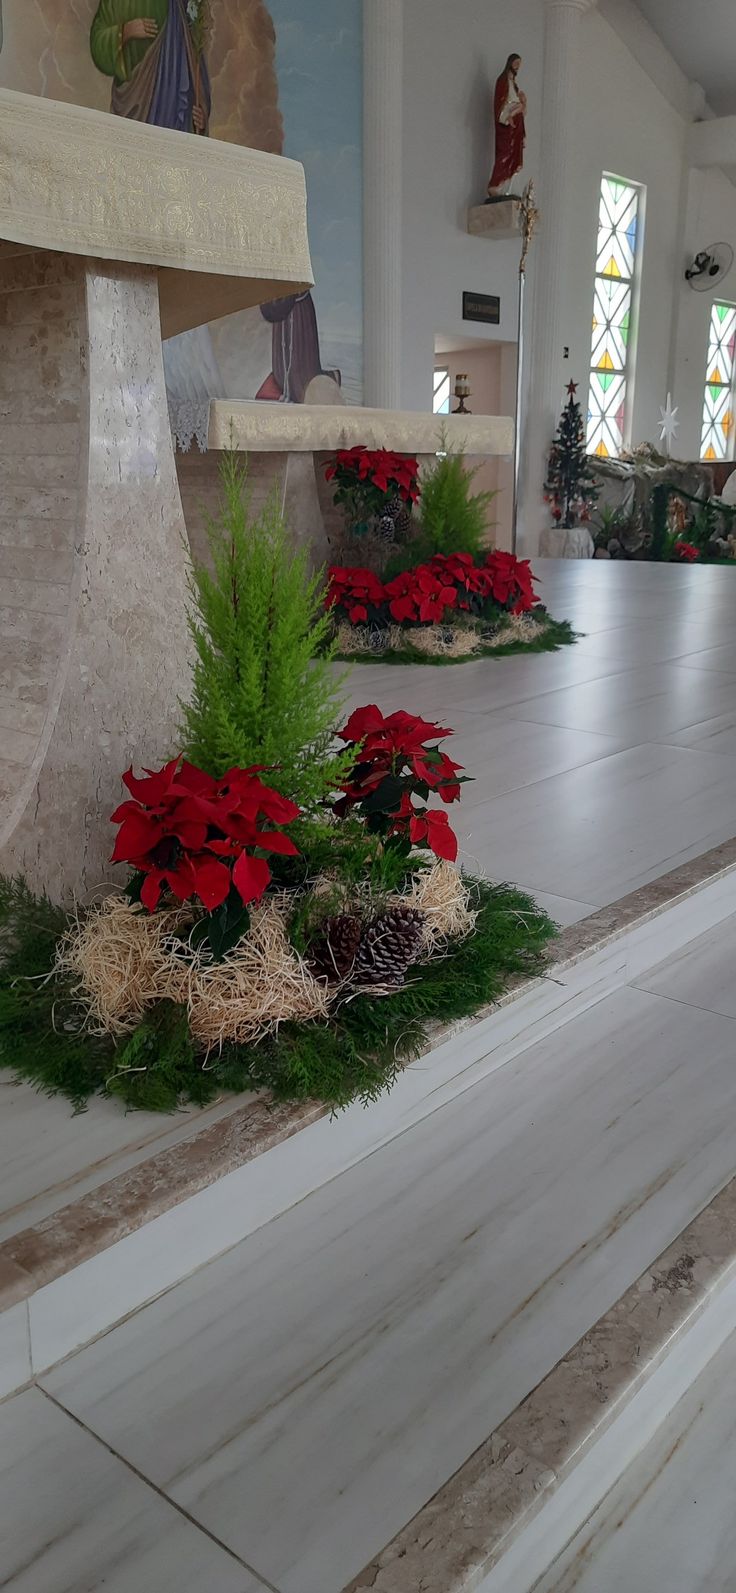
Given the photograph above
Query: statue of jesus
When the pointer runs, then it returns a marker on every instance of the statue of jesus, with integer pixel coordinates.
(152, 50)
(509, 108)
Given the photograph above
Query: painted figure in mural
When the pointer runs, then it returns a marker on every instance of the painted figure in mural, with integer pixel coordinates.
(154, 51)
(509, 109)
(295, 349)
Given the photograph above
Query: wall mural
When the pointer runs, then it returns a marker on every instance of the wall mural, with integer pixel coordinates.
(283, 76)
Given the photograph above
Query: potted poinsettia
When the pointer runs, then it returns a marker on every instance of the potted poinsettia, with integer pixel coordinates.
(398, 766)
(376, 488)
(206, 841)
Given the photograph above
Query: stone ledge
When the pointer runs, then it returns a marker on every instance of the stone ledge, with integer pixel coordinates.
(502, 220)
(226, 226)
(322, 428)
(54, 1246)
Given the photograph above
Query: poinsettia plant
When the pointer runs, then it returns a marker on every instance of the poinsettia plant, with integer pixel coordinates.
(426, 594)
(204, 841)
(686, 552)
(398, 767)
(368, 480)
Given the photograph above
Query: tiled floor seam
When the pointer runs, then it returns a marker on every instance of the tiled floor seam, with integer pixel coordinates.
(679, 1001)
(153, 1487)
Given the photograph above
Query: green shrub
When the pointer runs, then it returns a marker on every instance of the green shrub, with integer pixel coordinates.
(264, 689)
(453, 518)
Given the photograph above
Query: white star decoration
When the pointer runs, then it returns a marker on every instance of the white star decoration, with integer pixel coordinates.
(669, 424)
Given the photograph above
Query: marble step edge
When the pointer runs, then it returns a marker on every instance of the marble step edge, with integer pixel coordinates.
(499, 1523)
(590, 958)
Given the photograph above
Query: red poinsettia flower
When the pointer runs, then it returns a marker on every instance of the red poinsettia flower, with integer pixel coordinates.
(512, 581)
(433, 827)
(380, 468)
(197, 837)
(402, 609)
(396, 760)
(354, 590)
(687, 552)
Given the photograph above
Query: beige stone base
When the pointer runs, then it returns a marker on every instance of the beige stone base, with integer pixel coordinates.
(93, 634)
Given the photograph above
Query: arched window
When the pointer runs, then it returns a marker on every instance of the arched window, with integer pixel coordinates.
(716, 438)
(614, 304)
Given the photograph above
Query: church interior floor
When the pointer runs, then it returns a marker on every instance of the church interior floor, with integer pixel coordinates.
(285, 1410)
(271, 1421)
(595, 770)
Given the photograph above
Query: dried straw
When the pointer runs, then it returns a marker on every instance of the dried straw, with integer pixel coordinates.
(517, 628)
(115, 955)
(263, 983)
(123, 961)
(439, 641)
(440, 895)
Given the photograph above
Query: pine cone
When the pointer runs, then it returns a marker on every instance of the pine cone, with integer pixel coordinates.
(332, 955)
(386, 528)
(388, 947)
(400, 513)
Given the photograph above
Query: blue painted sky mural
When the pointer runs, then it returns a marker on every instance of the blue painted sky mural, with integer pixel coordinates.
(319, 64)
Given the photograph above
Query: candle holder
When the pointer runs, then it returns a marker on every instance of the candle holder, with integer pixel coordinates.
(462, 391)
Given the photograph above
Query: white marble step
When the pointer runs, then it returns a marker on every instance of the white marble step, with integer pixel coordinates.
(668, 1525)
(70, 1309)
(304, 1395)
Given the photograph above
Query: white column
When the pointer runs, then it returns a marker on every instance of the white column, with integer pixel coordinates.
(383, 46)
(548, 371)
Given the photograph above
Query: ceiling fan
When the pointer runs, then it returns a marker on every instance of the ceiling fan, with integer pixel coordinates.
(709, 267)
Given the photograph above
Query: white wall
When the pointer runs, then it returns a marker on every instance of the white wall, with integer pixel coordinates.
(626, 126)
(710, 218)
(453, 54)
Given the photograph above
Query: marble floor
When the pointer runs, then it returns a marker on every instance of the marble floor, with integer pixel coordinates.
(668, 1526)
(298, 1399)
(595, 769)
(584, 789)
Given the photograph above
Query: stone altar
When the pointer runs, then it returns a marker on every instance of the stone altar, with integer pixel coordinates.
(290, 444)
(111, 231)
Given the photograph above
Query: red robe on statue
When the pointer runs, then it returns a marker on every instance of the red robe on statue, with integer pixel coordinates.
(510, 132)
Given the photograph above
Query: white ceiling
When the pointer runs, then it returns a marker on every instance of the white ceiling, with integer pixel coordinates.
(701, 35)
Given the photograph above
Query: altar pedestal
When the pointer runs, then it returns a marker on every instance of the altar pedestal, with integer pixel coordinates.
(108, 231)
(289, 445)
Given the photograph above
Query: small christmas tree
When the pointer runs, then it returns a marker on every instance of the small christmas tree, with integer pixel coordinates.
(264, 690)
(571, 487)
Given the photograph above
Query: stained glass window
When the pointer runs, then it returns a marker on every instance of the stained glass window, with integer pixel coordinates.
(716, 440)
(615, 272)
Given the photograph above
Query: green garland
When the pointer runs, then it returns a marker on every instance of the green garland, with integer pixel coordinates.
(357, 1054)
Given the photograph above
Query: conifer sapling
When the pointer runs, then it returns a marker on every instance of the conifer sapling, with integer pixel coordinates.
(264, 690)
